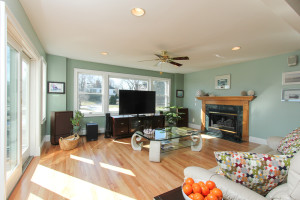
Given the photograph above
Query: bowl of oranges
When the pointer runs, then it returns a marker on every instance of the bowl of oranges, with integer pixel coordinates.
(200, 190)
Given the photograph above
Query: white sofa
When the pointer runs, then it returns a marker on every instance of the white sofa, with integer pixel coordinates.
(231, 190)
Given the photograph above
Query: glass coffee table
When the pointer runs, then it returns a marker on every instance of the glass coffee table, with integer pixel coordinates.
(160, 138)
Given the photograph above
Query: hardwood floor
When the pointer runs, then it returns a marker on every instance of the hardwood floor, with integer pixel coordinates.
(108, 169)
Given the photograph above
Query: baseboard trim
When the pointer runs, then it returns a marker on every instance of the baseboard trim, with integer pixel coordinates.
(45, 139)
(195, 126)
(257, 140)
(100, 130)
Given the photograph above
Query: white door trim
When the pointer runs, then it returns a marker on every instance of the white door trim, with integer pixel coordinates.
(3, 18)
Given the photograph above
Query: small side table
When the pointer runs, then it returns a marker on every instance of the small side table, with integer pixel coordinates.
(171, 195)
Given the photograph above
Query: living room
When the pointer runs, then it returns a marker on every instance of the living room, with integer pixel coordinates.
(111, 169)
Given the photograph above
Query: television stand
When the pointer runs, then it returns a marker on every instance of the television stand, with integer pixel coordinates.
(126, 125)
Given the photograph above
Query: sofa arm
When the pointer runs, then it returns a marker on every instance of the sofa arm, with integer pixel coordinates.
(230, 189)
(273, 142)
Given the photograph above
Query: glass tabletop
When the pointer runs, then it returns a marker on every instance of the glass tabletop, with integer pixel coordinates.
(167, 133)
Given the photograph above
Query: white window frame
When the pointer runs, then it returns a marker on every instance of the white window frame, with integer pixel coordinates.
(105, 87)
(168, 89)
(104, 92)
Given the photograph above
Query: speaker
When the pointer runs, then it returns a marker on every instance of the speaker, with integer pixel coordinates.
(91, 131)
(108, 128)
(292, 60)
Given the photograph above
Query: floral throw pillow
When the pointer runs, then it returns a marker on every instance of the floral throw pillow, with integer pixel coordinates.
(290, 144)
(259, 172)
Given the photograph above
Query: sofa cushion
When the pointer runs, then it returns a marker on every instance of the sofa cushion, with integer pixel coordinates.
(290, 144)
(258, 172)
(293, 180)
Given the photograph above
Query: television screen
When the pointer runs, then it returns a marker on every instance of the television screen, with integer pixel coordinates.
(136, 102)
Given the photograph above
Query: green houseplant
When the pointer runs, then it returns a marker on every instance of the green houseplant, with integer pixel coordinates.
(76, 121)
(171, 115)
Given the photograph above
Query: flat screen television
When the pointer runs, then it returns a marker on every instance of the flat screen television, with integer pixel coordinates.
(136, 102)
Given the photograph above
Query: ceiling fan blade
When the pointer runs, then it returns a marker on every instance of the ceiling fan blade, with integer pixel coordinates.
(160, 56)
(175, 63)
(181, 58)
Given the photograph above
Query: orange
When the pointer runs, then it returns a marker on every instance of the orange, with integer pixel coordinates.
(201, 183)
(205, 190)
(217, 192)
(210, 184)
(196, 188)
(211, 197)
(189, 181)
(191, 196)
(187, 189)
(198, 196)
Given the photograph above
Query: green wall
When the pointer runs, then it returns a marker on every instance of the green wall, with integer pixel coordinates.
(62, 69)
(16, 8)
(56, 72)
(269, 116)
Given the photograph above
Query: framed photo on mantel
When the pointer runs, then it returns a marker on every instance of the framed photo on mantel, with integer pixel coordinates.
(222, 82)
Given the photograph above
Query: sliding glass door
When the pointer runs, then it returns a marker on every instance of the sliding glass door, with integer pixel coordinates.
(13, 164)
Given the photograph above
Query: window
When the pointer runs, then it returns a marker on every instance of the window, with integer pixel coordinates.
(116, 84)
(97, 92)
(162, 89)
(89, 87)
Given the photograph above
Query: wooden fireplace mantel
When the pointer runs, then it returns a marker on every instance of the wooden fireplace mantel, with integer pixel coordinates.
(229, 100)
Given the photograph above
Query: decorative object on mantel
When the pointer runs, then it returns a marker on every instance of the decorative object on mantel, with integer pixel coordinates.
(243, 93)
(200, 93)
(222, 82)
(251, 93)
(212, 95)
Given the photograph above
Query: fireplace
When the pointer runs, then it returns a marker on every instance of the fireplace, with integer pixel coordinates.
(224, 121)
(240, 101)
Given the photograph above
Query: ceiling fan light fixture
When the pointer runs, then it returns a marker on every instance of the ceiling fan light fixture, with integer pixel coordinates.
(138, 12)
(236, 48)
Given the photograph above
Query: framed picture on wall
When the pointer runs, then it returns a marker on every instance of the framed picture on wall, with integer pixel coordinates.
(179, 93)
(290, 95)
(222, 82)
(291, 78)
(56, 87)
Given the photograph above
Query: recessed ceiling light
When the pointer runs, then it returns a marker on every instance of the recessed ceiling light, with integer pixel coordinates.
(104, 53)
(138, 12)
(236, 48)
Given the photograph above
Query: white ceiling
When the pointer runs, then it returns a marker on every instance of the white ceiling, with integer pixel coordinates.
(200, 29)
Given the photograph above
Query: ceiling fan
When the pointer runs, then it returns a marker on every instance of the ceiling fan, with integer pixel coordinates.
(165, 58)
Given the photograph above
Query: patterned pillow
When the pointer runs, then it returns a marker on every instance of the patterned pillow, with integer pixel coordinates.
(290, 144)
(259, 172)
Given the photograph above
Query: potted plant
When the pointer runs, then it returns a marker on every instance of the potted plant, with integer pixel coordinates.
(172, 116)
(76, 121)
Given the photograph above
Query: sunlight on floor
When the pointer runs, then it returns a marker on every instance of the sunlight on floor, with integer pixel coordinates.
(89, 161)
(207, 136)
(120, 142)
(71, 187)
(117, 169)
(34, 197)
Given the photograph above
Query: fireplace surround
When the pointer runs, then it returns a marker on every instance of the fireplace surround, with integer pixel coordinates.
(242, 101)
